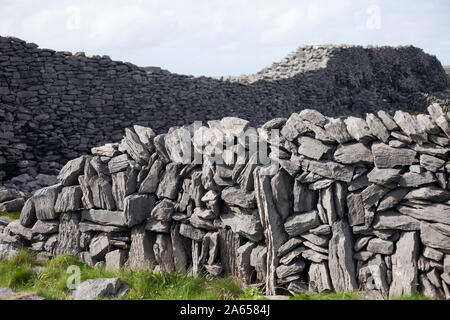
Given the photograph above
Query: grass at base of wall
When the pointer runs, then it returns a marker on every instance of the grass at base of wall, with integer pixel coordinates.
(23, 273)
(11, 216)
(352, 295)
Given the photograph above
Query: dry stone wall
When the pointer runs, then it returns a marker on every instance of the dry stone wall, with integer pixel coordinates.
(327, 204)
(55, 106)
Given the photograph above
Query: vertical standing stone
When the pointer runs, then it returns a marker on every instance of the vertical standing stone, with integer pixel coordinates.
(319, 278)
(341, 264)
(196, 258)
(404, 265)
(164, 253)
(141, 253)
(68, 234)
(228, 244)
(243, 261)
(272, 223)
(179, 251)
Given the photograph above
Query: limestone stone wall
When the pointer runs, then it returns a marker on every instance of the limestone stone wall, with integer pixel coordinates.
(55, 106)
(322, 204)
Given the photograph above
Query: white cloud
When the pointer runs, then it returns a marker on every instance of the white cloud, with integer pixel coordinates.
(215, 37)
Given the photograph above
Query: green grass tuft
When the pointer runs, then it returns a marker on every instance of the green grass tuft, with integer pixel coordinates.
(23, 273)
(11, 216)
(351, 295)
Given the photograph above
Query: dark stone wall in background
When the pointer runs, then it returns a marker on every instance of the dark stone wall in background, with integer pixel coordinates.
(55, 106)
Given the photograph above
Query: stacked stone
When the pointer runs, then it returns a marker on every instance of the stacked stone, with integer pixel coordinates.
(331, 204)
(54, 106)
(372, 191)
(11, 200)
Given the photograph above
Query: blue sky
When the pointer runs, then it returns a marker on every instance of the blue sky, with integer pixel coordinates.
(226, 37)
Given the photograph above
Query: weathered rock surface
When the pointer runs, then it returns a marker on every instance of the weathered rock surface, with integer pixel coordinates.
(100, 288)
(341, 264)
(404, 265)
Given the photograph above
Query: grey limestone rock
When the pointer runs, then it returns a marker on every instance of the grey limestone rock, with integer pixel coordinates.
(118, 163)
(98, 247)
(353, 153)
(313, 116)
(384, 176)
(180, 255)
(372, 194)
(235, 196)
(105, 217)
(439, 117)
(341, 264)
(163, 210)
(258, 259)
(115, 259)
(404, 265)
(387, 120)
(434, 238)
(377, 128)
(282, 185)
(71, 171)
(431, 163)
(430, 193)
(432, 254)
(108, 150)
(133, 146)
(244, 224)
(7, 194)
(413, 179)
(381, 246)
(358, 128)
(299, 223)
(150, 183)
(137, 207)
(394, 220)
(408, 124)
(28, 213)
(124, 183)
(391, 198)
(319, 278)
(12, 205)
(331, 170)
(93, 289)
(69, 199)
(170, 181)
(45, 227)
(304, 199)
(44, 202)
(433, 212)
(294, 126)
(146, 136)
(337, 129)
(164, 253)
(284, 271)
(388, 157)
(16, 228)
(188, 231)
(245, 269)
(68, 238)
(312, 148)
(289, 245)
(157, 226)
